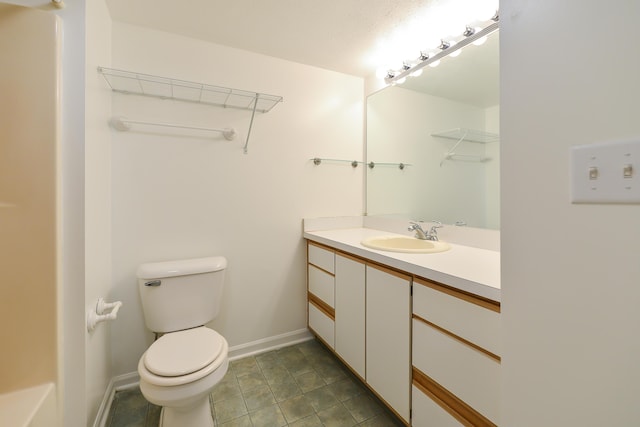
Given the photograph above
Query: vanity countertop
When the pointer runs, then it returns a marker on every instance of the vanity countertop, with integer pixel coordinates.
(467, 268)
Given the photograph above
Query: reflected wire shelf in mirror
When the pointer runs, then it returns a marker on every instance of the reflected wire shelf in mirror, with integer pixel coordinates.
(128, 82)
(468, 135)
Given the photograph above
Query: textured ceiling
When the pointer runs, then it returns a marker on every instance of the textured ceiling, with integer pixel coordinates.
(339, 35)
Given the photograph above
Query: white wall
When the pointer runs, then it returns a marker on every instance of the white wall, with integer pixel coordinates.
(178, 197)
(571, 273)
(97, 202)
(71, 303)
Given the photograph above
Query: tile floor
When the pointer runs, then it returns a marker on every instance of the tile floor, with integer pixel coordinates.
(298, 386)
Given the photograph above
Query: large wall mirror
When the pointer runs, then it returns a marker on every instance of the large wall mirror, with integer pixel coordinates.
(445, 124)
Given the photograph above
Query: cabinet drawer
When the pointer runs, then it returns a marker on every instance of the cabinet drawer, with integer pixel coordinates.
(322, 325)
(321, 257)
(468, 373)
(427, 413)
(475, 323)
(321, 284)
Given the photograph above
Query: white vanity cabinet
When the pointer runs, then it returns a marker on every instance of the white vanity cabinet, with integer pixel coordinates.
(429, 351)
(455, 354)
(321, 292)
(366, 320)
(350, 302)
(388, 337)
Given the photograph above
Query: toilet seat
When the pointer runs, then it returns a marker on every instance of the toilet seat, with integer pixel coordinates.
(184, 352)
(182, 357)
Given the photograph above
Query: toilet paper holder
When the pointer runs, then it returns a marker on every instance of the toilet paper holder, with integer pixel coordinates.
(104, 311)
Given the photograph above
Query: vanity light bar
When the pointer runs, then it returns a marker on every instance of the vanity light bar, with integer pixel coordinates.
(446, 48)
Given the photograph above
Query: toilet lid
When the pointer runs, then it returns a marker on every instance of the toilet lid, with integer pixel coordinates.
(181, 353)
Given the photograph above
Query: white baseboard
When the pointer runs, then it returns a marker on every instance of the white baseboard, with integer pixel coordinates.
(267, 344)
(121, 382)
(130, 380)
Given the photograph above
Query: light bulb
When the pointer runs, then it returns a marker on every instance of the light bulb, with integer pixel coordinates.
(480, 41)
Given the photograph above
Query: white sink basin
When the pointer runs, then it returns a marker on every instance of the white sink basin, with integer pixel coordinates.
(405, 244)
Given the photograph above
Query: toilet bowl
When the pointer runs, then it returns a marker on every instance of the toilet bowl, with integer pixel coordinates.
(179, 371)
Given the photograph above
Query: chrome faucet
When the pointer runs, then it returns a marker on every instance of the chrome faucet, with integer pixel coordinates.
(432, 234)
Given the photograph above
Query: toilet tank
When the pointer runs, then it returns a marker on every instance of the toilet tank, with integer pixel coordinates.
(181, 294)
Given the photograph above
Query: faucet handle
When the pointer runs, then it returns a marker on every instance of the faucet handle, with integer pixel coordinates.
(433, 231)
(420, 233)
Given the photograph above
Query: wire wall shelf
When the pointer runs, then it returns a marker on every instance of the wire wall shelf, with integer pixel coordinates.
(128, 82)
(468, 135)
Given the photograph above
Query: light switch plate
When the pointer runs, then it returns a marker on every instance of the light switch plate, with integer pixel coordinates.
(606, 172)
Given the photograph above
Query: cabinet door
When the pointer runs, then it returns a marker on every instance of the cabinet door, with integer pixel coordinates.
(350, 312)
(388, 325)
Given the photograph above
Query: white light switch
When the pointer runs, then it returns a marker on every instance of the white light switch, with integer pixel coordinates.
(606, 172)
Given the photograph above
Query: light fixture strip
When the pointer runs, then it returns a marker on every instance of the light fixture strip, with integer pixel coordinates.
(457, 46)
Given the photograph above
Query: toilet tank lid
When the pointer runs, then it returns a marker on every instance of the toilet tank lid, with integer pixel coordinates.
(157, 270)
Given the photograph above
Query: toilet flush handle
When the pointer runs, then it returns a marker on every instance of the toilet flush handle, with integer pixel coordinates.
(153, 283)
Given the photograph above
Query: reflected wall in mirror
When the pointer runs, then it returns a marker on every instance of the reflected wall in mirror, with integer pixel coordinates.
(445, 123)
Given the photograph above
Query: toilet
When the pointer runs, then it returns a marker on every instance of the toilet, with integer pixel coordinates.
(179, 370)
